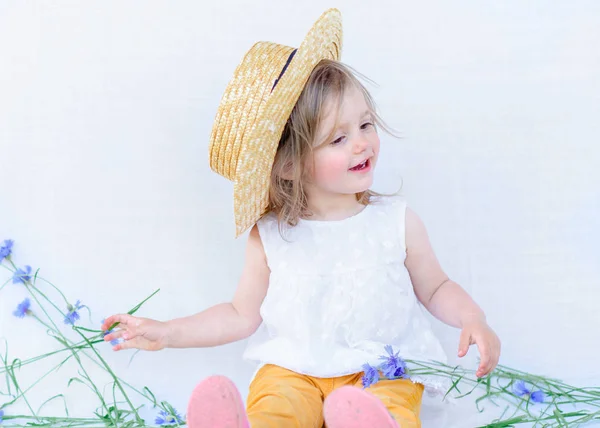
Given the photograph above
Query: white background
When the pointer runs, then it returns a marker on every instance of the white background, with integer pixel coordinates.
(105, 114)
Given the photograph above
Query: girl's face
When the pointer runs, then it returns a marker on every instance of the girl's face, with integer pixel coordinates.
(344, 165)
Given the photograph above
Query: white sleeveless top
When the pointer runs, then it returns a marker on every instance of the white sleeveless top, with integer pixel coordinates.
(338, 293)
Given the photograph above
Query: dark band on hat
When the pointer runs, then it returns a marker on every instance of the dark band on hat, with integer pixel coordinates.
(284, 68)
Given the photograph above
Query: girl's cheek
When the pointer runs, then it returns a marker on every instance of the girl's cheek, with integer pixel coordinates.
(376, 144)
(330, 169)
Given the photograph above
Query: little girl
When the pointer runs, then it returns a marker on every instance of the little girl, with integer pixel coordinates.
(335, 275)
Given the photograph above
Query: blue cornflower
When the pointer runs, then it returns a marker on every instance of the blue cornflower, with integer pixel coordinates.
(21, 275)
(114, 341)
(73, 315)
(538, 396)
(1, 415)
(22, 308)
(520, 389)
(165, 418)
(6, 249)
(370, 376)
(393, 367)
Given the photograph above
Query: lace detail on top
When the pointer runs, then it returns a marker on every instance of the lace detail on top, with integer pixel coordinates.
(338, 293)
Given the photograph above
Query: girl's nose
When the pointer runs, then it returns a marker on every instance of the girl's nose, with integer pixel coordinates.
(361, 144)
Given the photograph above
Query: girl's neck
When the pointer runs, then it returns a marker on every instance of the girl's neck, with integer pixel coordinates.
(334, 208)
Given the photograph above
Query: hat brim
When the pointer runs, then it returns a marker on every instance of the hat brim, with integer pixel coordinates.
(253, 174)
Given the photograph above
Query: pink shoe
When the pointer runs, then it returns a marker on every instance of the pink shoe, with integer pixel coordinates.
(216, 403)
(351, 407)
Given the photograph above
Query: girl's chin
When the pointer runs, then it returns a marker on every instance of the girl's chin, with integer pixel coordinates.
(362, 188)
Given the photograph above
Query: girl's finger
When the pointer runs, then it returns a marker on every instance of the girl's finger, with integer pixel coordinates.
(114, 335)
(126, 319)
(496, 360)
(485, 360)
(493, 365)
(130, 333)
(464, 342)
(109, 321)
(128, 344)
(105, 324)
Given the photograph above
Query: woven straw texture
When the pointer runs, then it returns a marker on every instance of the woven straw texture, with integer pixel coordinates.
(252, 115)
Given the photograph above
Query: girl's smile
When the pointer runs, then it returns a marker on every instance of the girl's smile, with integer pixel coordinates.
(362, 167)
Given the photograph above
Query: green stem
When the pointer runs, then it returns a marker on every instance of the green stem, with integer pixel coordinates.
(13, 378)
(49, 354)
(35, 277)
(65, 340)
(37, 381)
(115, 378)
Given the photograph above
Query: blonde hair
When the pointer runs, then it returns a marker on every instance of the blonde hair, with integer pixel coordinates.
(329, 80)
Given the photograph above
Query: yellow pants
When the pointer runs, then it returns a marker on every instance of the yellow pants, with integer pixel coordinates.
(280, 398)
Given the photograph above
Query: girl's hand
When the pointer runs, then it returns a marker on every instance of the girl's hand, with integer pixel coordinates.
(137, 333)
(480, 333)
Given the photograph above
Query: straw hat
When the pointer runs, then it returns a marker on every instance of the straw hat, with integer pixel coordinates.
(255, 108)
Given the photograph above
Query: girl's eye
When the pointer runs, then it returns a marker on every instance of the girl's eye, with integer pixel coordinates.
(363, 126)
(337, 141)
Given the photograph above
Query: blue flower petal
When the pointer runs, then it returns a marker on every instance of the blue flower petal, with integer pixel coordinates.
(72, 314)
(166, 418)
(22, 308)
(538, 396)
(370, 376)
(6, 249)
(388, 370)
(393, 367)
(1, 415)
(21, 275)
(389, 350)
(114, 341)
(107, 332)
(72, 317)
(520, 389)
(400, 372)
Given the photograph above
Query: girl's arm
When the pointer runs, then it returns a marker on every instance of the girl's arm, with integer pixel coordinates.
(232, 321)
(217, 325)
(444, 298)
